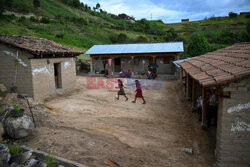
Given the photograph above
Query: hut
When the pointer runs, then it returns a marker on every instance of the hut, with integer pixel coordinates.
(227, 71)
(184, 20)
(135, 57)
(35, 66)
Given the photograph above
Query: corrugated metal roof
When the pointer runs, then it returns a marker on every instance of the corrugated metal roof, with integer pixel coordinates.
(178, 61)
(136, 48)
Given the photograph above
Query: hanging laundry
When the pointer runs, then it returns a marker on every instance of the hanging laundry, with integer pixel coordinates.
(110, 61)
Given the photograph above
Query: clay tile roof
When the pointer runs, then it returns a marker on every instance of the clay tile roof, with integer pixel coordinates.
(221, 66)
(37, 45)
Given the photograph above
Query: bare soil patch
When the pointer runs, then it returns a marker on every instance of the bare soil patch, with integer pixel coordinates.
(90, 126)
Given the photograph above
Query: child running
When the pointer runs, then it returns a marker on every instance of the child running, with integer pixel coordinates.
(121, 91)
(138, 92)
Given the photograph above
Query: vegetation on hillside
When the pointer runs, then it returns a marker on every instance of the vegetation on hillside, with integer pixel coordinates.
(77, 25)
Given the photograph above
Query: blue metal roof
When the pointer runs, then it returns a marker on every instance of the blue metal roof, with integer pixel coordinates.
(136, 48)
(177, 61)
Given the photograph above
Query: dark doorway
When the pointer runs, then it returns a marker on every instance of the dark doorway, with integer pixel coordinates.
(57, 74)
(117, 64)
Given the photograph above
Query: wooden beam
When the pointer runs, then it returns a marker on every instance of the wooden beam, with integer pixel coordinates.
(220, 92)
(194, 85)
(181, 75)
(204, 107)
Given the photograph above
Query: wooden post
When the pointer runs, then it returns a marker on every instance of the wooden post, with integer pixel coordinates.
(181, 75)
(188, 86)
(31, 112)
(154, 59)
(91, 64)
(132, 63)
(204, 107)
(194, 84)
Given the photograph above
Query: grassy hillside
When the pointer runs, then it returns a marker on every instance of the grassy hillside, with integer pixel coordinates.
(81, 28)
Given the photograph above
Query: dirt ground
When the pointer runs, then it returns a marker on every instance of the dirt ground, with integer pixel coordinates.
(90, 126)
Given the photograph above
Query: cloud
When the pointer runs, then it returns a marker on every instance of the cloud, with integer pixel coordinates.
(172, 10)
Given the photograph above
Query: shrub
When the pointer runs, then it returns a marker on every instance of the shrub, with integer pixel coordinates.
(181, 38)
(170, 35)
(33, 19)
(113, 38)
(141, 39)
(228, 37)
(232, 14)
(36, 3)
(45, 20)
(22, 19)
(198, 46)
(122, 38)
(14, 148)
(60, 35)
(50, 159)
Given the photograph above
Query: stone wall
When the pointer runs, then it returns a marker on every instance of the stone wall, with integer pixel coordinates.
(8, 66)
(233, 131)
(44, 79)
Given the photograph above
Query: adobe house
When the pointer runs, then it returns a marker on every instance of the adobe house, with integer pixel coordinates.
(228, 71)
(184, 20)
(135, 57)
(36, 66)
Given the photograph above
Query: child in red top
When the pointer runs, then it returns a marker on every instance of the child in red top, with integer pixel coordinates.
(138, 92)
(121, 91)
(106, 72)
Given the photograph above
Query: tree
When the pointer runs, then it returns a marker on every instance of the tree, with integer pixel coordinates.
(1, 7)
(232, 14)
(171, 35)
(123, 16)
(198, 46)
(75, 3)
(122, 38)
(97, 6)
(36, 3)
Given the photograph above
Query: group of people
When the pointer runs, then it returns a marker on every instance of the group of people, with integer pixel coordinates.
(122, 74)
(212, 105)
(138, 91)
(152, 73)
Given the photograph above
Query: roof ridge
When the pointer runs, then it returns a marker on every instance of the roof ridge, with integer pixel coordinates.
(140, 43)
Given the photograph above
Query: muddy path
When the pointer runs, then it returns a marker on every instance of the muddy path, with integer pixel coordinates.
(90, 126)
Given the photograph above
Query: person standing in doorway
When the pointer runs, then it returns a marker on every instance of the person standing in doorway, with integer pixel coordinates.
(121, 91)
(138, 92)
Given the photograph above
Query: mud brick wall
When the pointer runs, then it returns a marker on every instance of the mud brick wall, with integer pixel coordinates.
(44, 79)
(7, 69)
(233, 131)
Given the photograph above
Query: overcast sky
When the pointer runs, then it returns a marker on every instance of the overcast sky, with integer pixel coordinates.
(172, 10)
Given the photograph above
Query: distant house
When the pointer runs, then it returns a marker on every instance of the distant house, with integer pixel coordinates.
(244, 13)
(36, 66)
(184, 20)
(227, 71)
(135, 57)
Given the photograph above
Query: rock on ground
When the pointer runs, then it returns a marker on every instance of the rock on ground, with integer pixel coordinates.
(4, 155)
(19, 127)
